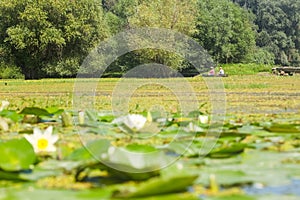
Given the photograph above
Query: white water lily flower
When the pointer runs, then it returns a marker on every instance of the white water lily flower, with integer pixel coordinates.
(193, 128)
(4, 105)
(134, 122)
(42, 142)
(203, 119)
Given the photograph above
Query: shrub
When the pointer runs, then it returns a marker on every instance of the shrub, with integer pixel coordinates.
(10, 72)
(245, 69)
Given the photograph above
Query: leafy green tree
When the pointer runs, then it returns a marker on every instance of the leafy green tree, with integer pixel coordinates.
(261, 56)
(118, 12)
(50, 37)
(278, 23)
(248, 4)
(281, 21)
(225, 30)
(177, 15)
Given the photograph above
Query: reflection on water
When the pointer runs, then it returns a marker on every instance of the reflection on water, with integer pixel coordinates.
(292, 189)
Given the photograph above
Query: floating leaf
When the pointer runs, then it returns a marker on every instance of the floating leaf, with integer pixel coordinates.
(137, 159)
(250, 129)
(282, 128)
(160, 185)
(106, 118)
(233, 197)
(140, 148)
(187, 148)
(59, 165)
(54, 110)
(227, 151)
(91, 150)
(92, 115)
(39, 173)
(14, 176)
(35, 111)
(37, 194)
(11, 114)
(29, 175)
(195, 114)
(16, 154)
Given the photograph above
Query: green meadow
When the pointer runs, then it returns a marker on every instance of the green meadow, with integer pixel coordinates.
(247, 95)
(250, 152)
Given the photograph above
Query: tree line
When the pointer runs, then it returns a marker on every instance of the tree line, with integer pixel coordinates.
(51, 38)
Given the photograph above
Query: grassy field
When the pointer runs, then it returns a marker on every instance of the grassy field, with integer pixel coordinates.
(247, 95)
(252, 154)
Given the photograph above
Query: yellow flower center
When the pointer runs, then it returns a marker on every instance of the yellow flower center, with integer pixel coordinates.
(42, 144)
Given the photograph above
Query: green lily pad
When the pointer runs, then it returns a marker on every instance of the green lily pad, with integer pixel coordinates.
(159, 185)
(16, 154)
(11, 114)
(37, 194)
(92, 115)
(195, 114)
(35, 111)
(233, 197)
(91, 151)
(106, 118)
(13, 176)
(63, 165)
(54, 110)
(186, 148)
(253, 130)
(140, 148)
(269, 168)
(28, 175)
(277, 197)
(282, 128)
(137, 160)
(227, 151)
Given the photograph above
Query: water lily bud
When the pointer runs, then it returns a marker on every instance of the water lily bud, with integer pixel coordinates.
(66, 119)
(4, 105)
(193, 128)
(213, 184)
(3, 125)
(179, 166)
(149, 117)
(81, 117)
(203, 119)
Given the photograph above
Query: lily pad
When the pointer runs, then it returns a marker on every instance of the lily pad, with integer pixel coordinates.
(35, 111)
(282, 128)
(160, 185)
(54, 110)
(140, 148)
(90, 151)
(13, 176)
(233, 197)
(16, 154)
(11, 114)
(227, 151)
(137, 159)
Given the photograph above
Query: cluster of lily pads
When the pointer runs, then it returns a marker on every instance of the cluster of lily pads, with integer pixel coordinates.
(35, 155)
(91, 154)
